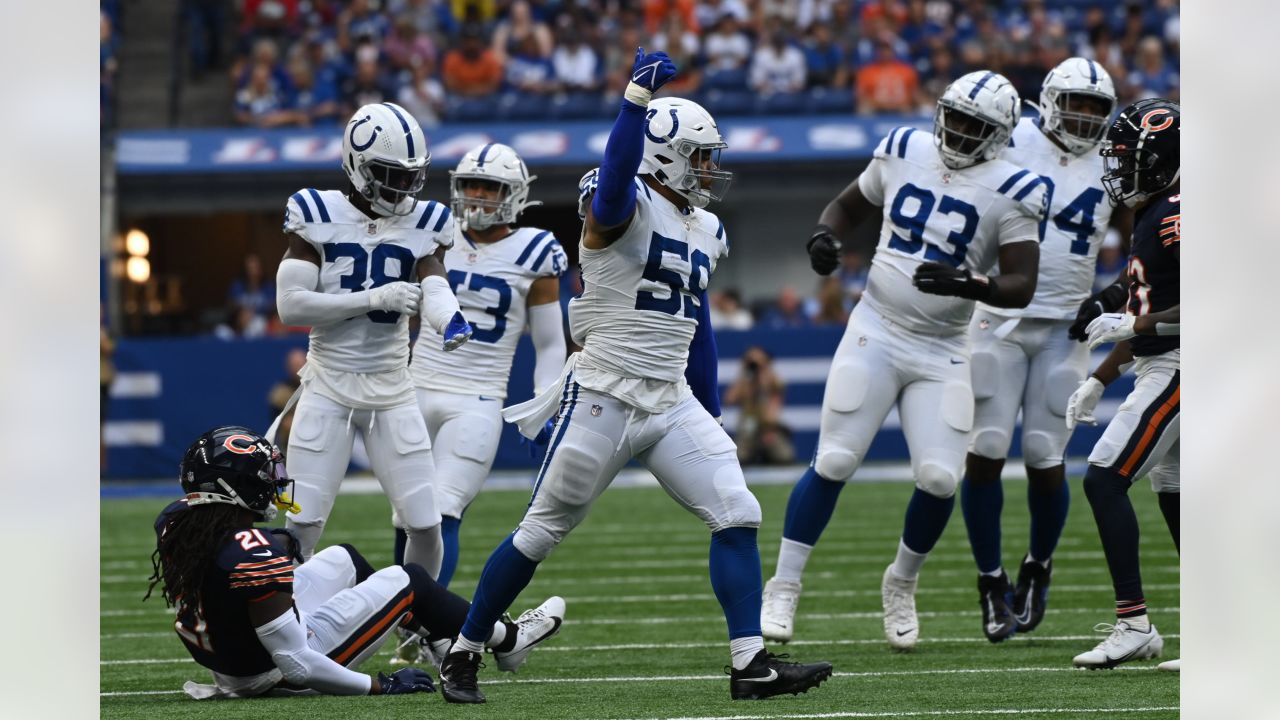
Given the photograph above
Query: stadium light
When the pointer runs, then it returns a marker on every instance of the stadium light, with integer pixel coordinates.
(138, 269)
(137, 243)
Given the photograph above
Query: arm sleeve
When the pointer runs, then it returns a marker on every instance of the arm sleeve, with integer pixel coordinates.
(702, 371)
(286, 640)
(546, 327)
(299, 303)
(1113, 296)
(615, 197)
(439, 304)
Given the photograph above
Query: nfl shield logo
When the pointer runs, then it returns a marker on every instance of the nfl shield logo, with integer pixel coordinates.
(596, 410)
(984, 324)
(472, 257)
(373, 228)
(862, 341)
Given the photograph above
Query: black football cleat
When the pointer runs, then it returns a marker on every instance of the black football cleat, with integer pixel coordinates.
(993, 596)
(458, 677)
(1031, 595)
(768, 675)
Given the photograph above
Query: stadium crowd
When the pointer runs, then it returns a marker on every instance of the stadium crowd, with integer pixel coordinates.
(312, 62)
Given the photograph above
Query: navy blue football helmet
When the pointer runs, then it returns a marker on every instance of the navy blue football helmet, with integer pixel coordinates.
(1142, 152)
(237, 466)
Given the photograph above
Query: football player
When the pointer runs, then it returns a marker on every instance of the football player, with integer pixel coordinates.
(265, 626)
(1024, 359)
(1142, 159)
(361, 262)
(952, 211)
(648, 249)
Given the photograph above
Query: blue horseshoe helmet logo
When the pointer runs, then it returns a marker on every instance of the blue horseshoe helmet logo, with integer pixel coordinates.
(374, 136)
(675, 125)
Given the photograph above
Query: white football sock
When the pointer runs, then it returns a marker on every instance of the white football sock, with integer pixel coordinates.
(499, 634)
(906, 566)
(994, 573)
(1141, 623)
(464, 644)
(792, 557)
(744, 650)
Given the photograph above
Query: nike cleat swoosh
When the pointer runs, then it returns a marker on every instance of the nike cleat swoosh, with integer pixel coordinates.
(773, 675)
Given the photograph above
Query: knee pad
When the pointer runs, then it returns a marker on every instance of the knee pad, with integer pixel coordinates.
(837, 465)
(1040, 450)
(990, 443)
(985, 368)
(936, 480)
(535, 541)
(1165, 480)
(741, 509)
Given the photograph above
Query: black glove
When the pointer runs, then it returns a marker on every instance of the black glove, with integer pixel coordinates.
(938, 279)
(405, 681)
(1089, 310)
(290, 542)
(824, 250)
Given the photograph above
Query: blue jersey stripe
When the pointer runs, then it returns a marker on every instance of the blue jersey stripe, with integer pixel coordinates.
(444, 218)
(902, 146)
(528, 250)
(543, 255)
(566, 410)
(1025, 191)
(306, 210)
(408, 135)
(1008, 184)
(324, 212)
(973, 94)
(426, 214)
(888, 145)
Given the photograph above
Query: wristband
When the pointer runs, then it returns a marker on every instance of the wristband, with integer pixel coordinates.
(637, 94)
(1165, 328)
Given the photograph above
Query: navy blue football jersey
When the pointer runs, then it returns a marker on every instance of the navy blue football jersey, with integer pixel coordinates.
(1153, 268)
(251, 565)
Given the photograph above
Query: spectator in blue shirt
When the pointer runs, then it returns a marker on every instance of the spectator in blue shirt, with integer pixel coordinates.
(823, 59)
(262, 102)
(787, 312)
(1152, 76)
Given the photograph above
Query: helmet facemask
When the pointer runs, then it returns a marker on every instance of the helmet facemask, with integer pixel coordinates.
(273, 490)
(702, 181)
(965, 138)
(1129, 176)
(1078, 118)
(392, 188)
(493, 204)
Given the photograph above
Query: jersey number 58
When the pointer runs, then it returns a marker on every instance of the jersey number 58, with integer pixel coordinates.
(683, 289)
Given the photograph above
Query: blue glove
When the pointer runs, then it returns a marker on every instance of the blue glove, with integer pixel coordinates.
(537, 446)
(457, 332)
(652, 70)
(405, 681)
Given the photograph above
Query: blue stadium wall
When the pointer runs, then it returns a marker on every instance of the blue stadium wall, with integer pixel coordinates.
(168, 391)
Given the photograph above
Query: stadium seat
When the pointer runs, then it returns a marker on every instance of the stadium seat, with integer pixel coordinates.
(781, 104)
(725, 80)
(471, 109)
(524, 106)
(827, 101)
(576, 106)
(729, 102)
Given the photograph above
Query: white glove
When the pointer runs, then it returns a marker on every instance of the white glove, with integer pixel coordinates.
(1083, 401)
(1110, 327)
(398, 297)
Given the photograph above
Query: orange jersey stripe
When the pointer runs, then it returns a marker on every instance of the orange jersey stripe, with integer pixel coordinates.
(264, 581)
(260, 573)
(252, 565)
(1150, 432)
(373, 632)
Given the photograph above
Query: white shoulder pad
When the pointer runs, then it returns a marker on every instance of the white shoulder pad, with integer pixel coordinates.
(304, 208)
(437, 220)
(542, 254)
(1027, 189)
(898, 141)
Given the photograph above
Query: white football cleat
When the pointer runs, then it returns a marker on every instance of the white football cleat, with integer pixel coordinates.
(778, 609)
(901, 626)
(532, 627)
(1174, 665)
(1122, 644)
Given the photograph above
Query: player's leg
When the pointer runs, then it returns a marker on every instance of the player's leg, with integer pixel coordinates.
(464, 443)
(861, 389)
(1138, 437)
(937, 415)
(319, 450)
(696, 463)
(400, 455)
(1166, 480)
(999, 376)
(588, 447)
(1057, 369)
(327, 573)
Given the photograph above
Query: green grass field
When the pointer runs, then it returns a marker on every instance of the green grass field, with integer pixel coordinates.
(644, 637)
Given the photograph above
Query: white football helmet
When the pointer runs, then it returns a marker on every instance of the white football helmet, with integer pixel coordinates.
(384, 154)
(494, 163)
(975, 118)
(674, 129)
(1072, 79)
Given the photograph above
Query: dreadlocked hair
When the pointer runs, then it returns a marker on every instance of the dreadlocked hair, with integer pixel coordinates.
(186, 548)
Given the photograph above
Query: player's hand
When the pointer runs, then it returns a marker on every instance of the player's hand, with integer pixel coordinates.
(939, 279)
(405, 681)
(1110, 327)
(1083, 401)
(586, 188)
(652, 70)
(1089, 309)
(398, 297)
(537, 447)
(457, 332)
(824, 250)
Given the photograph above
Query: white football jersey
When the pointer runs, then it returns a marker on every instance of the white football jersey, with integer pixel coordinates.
(935, 214)
(358, 253)
(640, 300)
(1079, 214)
(492, 283)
